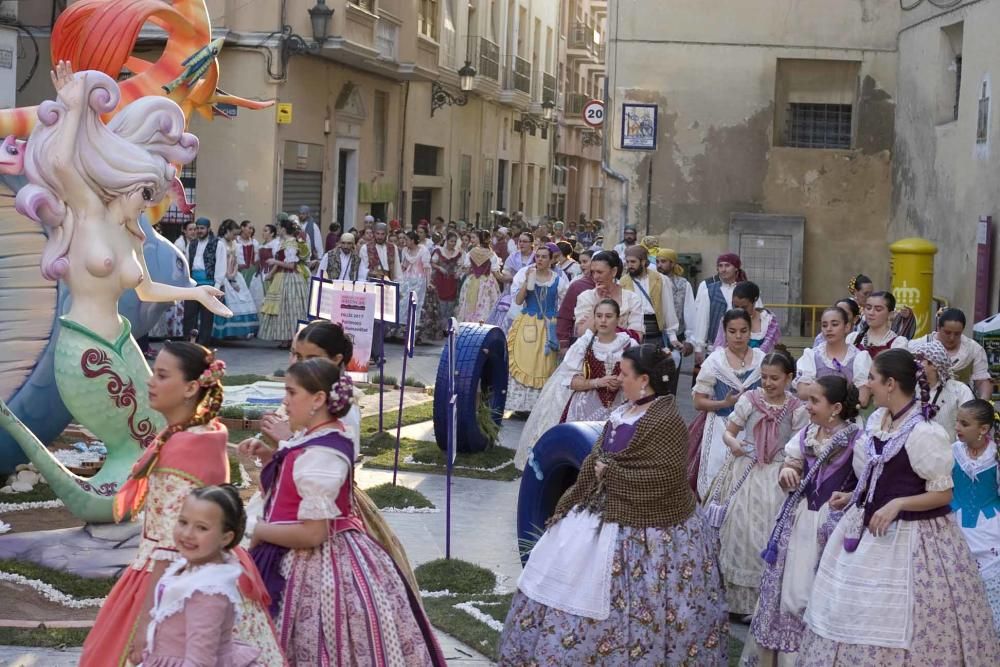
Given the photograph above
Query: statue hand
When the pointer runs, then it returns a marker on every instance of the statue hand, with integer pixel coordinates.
(209, 297)
(68, 87)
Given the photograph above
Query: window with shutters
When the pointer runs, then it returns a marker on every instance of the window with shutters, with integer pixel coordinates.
(425, 160)
(465, 187)
(427, 18)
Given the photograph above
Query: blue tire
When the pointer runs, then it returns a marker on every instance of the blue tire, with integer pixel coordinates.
(481, 364)
(553, 467)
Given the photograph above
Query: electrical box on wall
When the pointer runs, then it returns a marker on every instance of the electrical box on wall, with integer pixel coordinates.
(8, 65)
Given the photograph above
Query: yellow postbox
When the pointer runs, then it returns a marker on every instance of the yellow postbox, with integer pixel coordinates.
(912, 263)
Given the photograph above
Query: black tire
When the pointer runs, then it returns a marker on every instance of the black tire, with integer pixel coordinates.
(557, 457)
(481, 363)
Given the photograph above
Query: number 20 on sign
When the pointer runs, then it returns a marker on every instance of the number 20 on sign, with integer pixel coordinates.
(593, 113)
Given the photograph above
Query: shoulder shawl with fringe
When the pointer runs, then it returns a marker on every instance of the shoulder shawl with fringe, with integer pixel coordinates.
(644, 485)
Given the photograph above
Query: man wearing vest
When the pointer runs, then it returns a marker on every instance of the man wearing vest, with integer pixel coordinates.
(314, 236)
(715, 297)
(668, 267)
(201, 253)
(380, 260)
(342, 262)
(658, 313)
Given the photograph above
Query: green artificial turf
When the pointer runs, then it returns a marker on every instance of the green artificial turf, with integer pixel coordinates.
(70, 584)
(399, 497)
(428, 458)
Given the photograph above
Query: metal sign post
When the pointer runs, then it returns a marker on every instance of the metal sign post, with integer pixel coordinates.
(410, 343)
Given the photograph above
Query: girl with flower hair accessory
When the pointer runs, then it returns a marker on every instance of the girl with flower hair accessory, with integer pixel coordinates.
(977, 491)
(186, 388)
(923, 600)
(746, 495)
(330, 583)
(946, 393)
(817, 464)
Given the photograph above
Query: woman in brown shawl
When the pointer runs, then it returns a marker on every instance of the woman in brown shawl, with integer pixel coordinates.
(627, 572)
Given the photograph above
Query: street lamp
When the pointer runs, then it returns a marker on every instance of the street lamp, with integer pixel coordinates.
(467, 76)
(319, 16)
(548, 107)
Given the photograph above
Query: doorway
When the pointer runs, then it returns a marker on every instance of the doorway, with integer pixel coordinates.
(502, 186)
(420, 206)
(770, 247)
(345, 195)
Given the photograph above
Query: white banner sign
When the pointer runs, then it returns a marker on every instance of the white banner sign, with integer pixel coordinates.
(321, 297)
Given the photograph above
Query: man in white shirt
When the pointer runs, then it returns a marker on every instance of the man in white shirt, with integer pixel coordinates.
(380, 260)
(314, 236)
(201, 260)
(667, 266)
(658, 313)
(628, 240)
(715, 297)
(342, 263)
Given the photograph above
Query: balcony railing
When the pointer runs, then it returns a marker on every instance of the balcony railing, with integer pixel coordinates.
(575, 103)
(486, 55)
(581, 36)
(517, 75)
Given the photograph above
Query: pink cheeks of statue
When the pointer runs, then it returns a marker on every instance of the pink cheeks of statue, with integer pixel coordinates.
(12, 156)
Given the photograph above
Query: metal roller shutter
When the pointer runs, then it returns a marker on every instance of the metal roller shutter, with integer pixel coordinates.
(300, 188)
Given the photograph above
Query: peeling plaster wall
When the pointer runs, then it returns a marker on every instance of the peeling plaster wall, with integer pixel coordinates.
(944, 181)
(712, 71)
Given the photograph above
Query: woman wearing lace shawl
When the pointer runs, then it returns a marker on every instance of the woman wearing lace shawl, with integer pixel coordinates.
(897, 584)
(627, 572)
(817, 463)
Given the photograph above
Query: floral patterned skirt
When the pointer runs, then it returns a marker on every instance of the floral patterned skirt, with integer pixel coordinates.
(952, 622)
(667, 608)
(345, 603)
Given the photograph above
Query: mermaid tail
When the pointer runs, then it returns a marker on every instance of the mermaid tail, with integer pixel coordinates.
(103, 385)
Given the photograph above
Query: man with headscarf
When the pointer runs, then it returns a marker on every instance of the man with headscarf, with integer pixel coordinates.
(201, 253)
(380, 260)
(668, 266)
(715, 297)
(313, 234)
(629, 237)
(342, 262)
(658, 314)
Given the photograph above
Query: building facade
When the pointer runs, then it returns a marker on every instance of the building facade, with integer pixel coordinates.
(945, 164)
(372, 119)
(577, 187)
(773, 129)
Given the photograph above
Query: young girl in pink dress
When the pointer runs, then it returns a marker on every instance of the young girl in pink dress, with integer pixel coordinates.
(337, 596)
(197, 599)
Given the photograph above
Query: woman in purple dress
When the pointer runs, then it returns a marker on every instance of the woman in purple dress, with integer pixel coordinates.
(628, 571)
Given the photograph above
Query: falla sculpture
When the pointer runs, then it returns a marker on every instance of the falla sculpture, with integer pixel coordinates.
(88, 183)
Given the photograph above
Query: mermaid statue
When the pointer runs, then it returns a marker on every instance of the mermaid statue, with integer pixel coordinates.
(88, 184)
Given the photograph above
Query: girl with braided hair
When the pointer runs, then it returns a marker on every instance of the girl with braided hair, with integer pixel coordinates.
(186, 388)
(627, 571)
(947, 393)
(586, 386)
(817, 463)
(875, 335)
(746, 496)
(897, 584)
(977, 491)
(336, 594)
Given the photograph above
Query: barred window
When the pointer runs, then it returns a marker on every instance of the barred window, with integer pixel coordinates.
(818, 126)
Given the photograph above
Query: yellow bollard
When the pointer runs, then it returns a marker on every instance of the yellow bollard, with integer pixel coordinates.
(912, 264)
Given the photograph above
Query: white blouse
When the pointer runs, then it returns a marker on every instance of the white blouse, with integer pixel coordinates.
(897, 342)
(630, 305)
(952, 395)
(608, 353)
(319, 473)
(927, 447)
(859, 361)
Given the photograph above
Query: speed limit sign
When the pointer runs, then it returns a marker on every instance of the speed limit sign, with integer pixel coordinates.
(593, 113)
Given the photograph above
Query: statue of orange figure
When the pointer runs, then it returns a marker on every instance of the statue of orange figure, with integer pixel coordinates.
(97, 367)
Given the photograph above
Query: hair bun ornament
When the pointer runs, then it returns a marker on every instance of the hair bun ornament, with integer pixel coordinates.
(341, 394)
(213, 374)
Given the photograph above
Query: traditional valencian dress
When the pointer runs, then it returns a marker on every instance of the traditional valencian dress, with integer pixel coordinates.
(532, 344)
(913, 596)
(187, 460)
(765, 339)
(748, 489)
(717, 379)
(796, 544)
(194, 612)
(558, 403)
(480, 289)
(626, 573)
(343, 602)
(287, 297)
(977, 511)
(243, 323)
(445, 280)
(414, 277)
(873, 347)
(816, 362)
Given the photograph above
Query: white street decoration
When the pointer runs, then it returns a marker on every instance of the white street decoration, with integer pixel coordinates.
(471, 609)
(49, 593)
(37, 505)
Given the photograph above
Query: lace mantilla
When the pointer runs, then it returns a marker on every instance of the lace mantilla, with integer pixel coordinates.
(176, 587)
